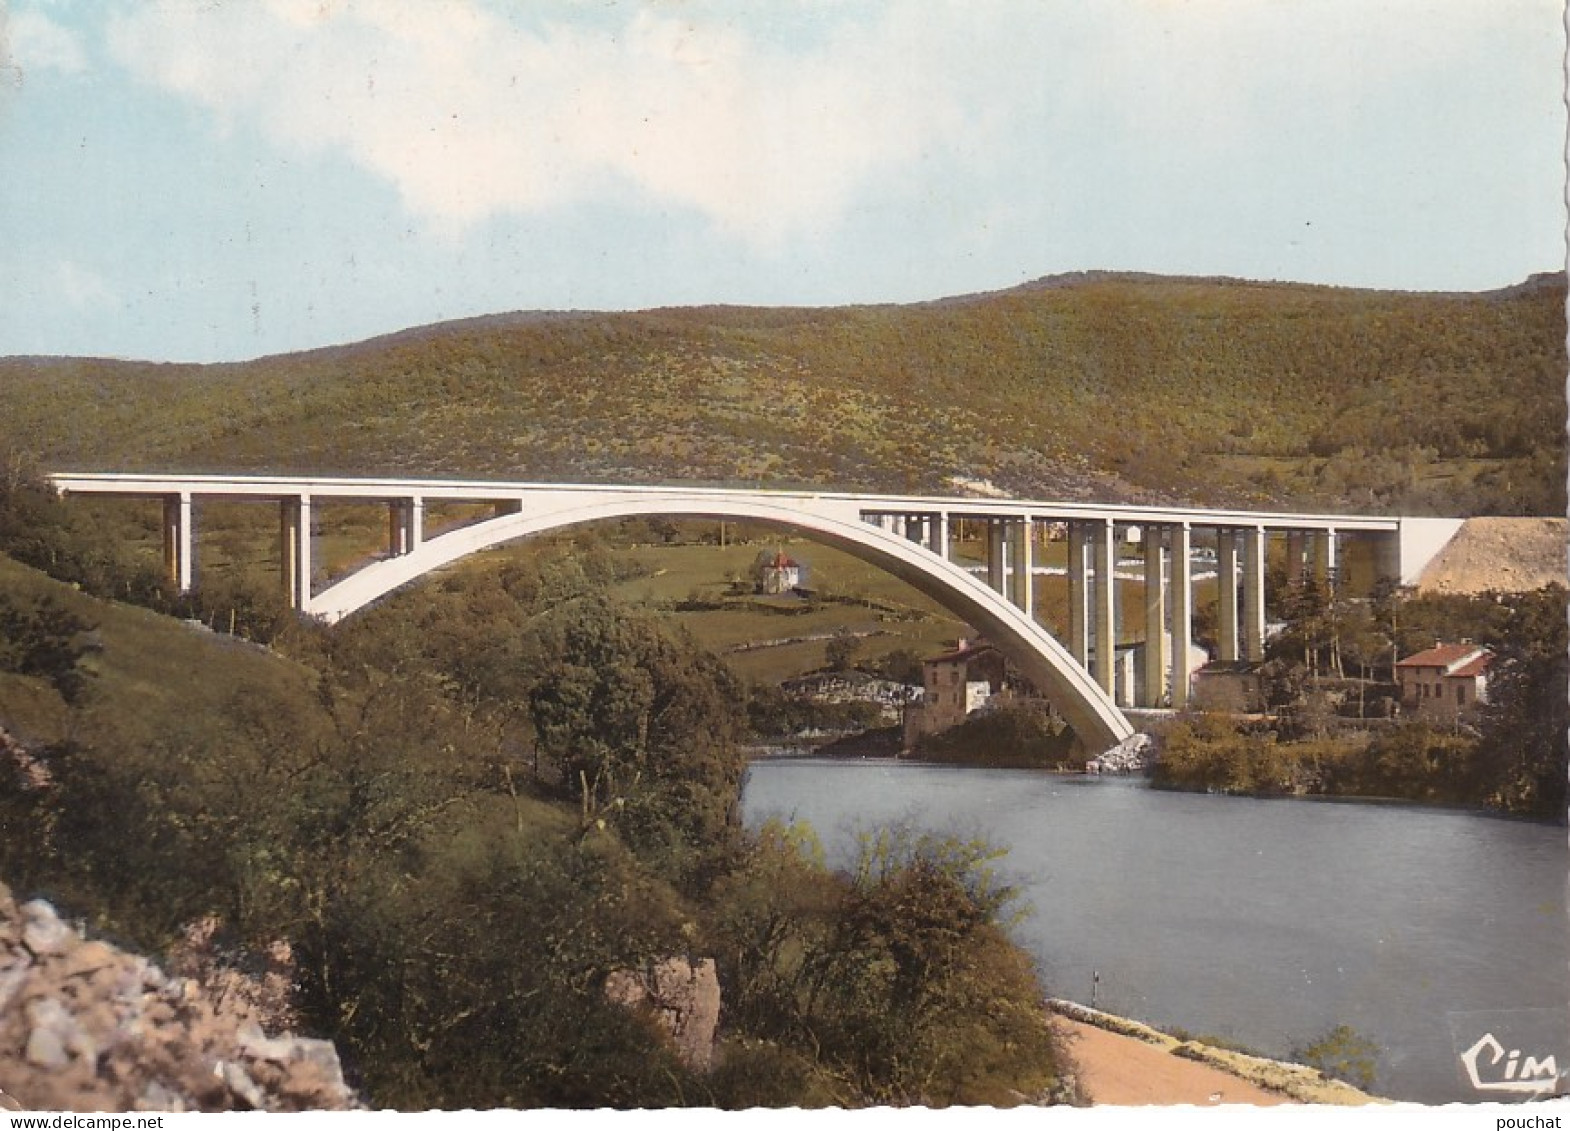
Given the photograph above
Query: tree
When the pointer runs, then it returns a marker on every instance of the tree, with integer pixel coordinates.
(918, 994)
(1523, 747)
(1342, 1054)
(642, 725)
(840, 655)
(43, 638)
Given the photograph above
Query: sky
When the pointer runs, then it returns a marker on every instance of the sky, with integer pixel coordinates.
(209, 180)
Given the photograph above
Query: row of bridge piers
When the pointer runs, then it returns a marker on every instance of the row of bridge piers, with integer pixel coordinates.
(1011, 551)
(296, 526)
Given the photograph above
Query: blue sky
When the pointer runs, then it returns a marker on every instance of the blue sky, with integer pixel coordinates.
(220, 179)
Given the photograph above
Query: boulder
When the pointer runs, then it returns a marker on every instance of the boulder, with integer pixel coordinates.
(1134, 755)
(682, 998)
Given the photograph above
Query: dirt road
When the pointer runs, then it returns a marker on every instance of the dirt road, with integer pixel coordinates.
(1114, 1069)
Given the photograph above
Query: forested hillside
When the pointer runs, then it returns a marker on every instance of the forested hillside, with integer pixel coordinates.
(1105, 386)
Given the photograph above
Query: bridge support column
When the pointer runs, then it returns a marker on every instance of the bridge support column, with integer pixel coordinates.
(179, 541)
(1104, 536)
(1078, 593)
(1295, 569)
(1226, 593)
(1254, 593)
(997, 552)
(294, 536)
(1387, 560)
(405, 526)
(1182, 613)
(1325, 558)
(1155, 619)
(938, 535)
(1022, 589)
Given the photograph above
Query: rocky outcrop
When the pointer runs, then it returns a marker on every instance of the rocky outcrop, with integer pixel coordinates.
(1134, 755)
(85, 1026)
(683, 999)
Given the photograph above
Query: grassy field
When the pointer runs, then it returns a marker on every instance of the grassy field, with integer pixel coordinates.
(147, 671)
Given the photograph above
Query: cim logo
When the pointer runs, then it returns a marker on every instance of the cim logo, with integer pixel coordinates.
(1532, 1075)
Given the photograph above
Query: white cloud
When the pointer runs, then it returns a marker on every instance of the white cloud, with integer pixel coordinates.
(471, 116)
(38, 43)
(81, 287)
(1105, 130)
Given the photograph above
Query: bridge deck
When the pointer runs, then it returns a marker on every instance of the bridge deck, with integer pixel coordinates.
(376, 489)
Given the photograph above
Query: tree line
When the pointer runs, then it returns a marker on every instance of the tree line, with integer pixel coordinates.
(1332, 665)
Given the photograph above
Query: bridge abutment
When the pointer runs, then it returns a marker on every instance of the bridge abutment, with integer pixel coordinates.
(1254, 593)
(1079, 545)
(1182, 612)
(1155, 618)
(1104, 550)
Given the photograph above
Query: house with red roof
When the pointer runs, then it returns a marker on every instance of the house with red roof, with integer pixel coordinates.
(1447, 678)
(776, 573)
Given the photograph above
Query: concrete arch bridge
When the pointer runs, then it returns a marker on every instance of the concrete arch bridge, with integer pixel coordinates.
(911, 537)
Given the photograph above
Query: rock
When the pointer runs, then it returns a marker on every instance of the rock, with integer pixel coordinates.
(46, 1049)
(85, 1026)
(156, 1097)
(240, 1083)
(1135, 754)
(12, 979)
(42, 931)
(56, 1034)
(88, 958)
(683, 999)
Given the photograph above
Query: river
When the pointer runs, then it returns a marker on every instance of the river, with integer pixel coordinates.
(1264, 921)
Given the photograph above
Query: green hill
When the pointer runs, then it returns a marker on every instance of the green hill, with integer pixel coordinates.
(1100, 386)
(142, 670)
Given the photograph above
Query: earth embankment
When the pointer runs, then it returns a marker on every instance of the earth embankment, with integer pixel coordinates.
(1506, 555)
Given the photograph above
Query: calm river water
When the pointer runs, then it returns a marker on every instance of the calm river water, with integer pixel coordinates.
(1264, 921)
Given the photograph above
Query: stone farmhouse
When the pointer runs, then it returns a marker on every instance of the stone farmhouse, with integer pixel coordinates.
(955, 684)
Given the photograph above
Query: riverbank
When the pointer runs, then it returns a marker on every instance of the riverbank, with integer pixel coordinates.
(1123, 1062)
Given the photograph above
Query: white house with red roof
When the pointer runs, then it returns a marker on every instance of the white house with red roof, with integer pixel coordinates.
(777, 573)
(1445, 678)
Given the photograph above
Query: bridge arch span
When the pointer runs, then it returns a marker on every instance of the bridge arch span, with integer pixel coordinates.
(1095, 718)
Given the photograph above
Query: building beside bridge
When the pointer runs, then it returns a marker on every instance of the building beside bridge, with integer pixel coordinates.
(955, 685)
(1444, 680)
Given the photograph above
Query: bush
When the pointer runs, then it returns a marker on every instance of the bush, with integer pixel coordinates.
(897, 979)
(1342, 1054)
(1022, 733)
(40, 638)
